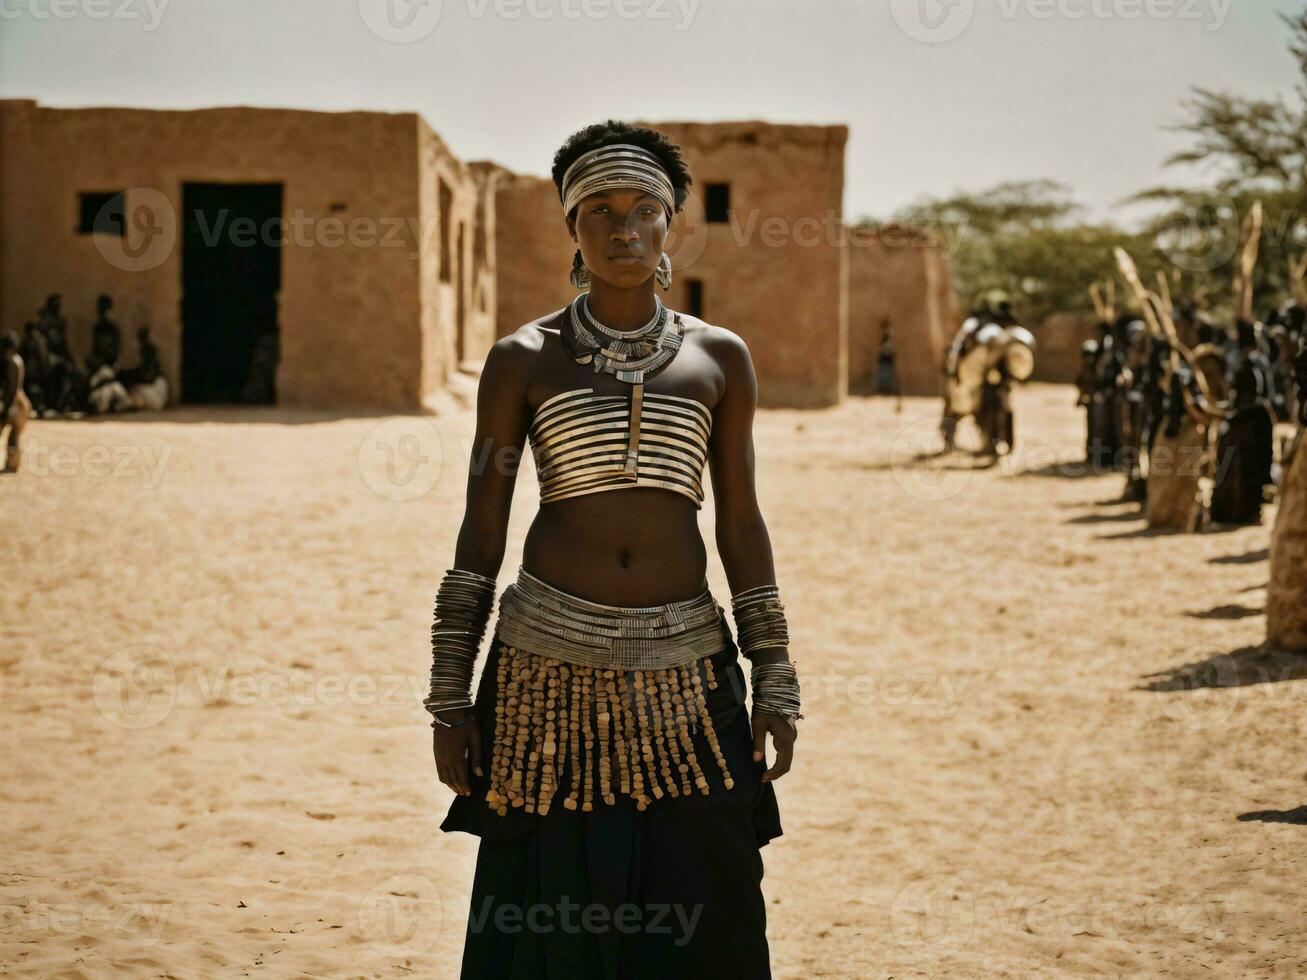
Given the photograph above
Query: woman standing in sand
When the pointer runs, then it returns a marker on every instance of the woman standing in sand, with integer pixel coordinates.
(15, 408)
(619, 788)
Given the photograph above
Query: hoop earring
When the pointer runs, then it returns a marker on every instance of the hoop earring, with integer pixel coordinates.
(580, 274)
(664, 271)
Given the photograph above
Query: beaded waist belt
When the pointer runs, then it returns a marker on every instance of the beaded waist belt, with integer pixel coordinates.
(590, 693)
(543, 619)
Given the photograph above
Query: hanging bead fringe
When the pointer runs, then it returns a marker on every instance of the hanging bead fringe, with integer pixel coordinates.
(547, 715)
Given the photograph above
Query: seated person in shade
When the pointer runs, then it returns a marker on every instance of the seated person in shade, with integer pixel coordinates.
(147, 388)
(106, 338)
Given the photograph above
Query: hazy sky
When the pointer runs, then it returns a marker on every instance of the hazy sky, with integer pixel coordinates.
(1077, 90)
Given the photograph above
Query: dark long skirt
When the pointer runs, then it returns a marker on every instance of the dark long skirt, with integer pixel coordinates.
(1103, 432)
(1244, 456)
(673, 891)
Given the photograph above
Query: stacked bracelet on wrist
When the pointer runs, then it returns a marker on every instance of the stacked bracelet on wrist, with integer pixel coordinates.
(760, 625)
(463, 605)
(776, 689)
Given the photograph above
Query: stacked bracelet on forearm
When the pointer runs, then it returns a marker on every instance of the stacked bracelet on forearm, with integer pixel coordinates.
(760, 619)
(463, 605)
(760, 625)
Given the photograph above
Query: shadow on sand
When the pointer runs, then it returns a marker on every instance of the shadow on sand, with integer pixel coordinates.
(1226, 612)
(1129, 515)
(1140, 532)
(1163, 532)
(1244, 667)
(1296, 816)
(1251, 558)
(930, 462)
(1077, 469)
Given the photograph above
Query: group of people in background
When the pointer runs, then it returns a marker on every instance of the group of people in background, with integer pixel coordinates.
(42, 379)
(1191, 409)
(1239, 380)
(57, 386)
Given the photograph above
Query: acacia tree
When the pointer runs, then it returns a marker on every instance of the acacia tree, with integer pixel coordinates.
(1025, 238)
(1254, 149)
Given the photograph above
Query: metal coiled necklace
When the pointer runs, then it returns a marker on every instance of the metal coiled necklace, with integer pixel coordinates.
(626, 354)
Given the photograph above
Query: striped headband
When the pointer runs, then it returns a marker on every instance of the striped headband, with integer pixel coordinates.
(617, 165)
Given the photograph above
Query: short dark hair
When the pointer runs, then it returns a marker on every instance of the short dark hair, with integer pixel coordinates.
(615, 131)
(8, 340)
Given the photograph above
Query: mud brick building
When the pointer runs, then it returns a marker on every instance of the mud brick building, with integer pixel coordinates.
(372, 262)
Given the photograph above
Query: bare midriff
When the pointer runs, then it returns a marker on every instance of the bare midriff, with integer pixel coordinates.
(631, 547)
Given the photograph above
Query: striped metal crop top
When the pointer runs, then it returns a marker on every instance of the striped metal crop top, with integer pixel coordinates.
(586, 443)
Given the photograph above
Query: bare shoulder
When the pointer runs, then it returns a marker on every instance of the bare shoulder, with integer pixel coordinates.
(514, 352)
(507, 367)
(727, 348)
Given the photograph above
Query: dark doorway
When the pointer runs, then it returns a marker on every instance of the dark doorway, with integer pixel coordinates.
(231, 274)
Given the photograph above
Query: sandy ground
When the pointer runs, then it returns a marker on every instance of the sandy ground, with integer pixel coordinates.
(1039, 740)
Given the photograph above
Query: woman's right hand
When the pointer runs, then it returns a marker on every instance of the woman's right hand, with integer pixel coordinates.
(455, 747)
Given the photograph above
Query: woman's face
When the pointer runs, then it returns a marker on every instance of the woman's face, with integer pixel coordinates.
(621, 234)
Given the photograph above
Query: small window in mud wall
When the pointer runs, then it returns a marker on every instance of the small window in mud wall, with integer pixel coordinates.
(101, 213)
(694, 297)
(446, 239)
(718, 202)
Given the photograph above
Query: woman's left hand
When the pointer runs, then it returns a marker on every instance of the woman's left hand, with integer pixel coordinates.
(783, 736)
